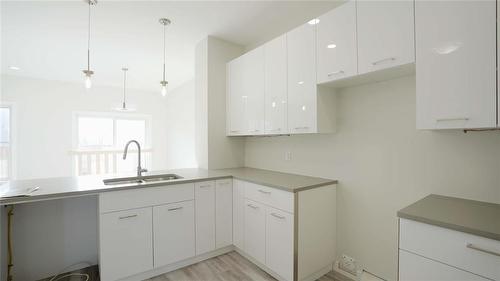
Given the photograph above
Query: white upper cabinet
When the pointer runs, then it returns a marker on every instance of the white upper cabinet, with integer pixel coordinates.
(386, 34)
(456, 64)
(276, 86)
(246, 94)
(301, 43)
(336, 44)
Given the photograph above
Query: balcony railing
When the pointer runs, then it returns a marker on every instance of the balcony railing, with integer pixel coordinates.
(96, 162)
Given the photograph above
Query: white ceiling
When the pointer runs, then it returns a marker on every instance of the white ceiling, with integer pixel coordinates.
(48, 39)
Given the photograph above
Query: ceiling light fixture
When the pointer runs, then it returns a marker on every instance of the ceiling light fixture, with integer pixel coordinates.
(124, 103)
(164, 82)
(313, 21)
(14, 68)
(88, 73)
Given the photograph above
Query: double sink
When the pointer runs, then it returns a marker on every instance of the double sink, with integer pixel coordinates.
(142, 179)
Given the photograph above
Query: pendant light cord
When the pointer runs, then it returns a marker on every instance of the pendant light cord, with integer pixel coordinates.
(164, 50)
(88, 39)
(124, 87)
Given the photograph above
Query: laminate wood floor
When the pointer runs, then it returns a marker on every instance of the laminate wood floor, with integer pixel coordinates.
(229, 267)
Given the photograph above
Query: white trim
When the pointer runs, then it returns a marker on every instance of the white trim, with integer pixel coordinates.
(13, 138)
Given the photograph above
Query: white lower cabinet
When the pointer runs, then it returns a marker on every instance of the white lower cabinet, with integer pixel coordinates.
(173, 226)
(205, 216)
(255, 230)
(279, 242)
(417, 268)
(126, 243)
(239, 214)
(223, 213)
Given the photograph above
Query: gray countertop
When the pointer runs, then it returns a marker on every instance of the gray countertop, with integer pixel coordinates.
(474, 217)
(55, 188)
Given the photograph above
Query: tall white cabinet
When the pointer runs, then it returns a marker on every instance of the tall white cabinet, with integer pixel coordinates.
(385, 34)
(456, 64)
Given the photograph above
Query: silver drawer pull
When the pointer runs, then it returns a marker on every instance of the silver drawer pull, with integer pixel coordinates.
(301, 128)
(474, 247)
(383, 61)
(452, 119)
(205, 186)
(252, 206)
(277, 216)
(265, 192)
(275, 130)
(174, 209)
(335, 73)
(234, 131)
(254, 131)
(127, 217)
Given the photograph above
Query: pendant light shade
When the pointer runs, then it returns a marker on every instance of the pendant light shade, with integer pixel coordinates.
(87, 72)
(164, 82)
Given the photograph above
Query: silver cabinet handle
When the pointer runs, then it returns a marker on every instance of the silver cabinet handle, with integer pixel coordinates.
(335, 73)
(205, 186)
(452, 119)
(174, 209)
(383, 60)
(301, 128)
(127, 217)
(265, 192)
(252, 206)
(277, 216)
(474, 247)
(254, 131)
(275, 130)
(234, 131)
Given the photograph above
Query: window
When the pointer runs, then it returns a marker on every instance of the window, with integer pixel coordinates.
(5, 143)
(101, 137)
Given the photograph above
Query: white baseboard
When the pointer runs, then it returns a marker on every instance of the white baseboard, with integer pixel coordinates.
(171, 267)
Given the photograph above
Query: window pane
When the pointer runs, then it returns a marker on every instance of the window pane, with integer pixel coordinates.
(95, 131)
(130, 130)
(4, 125)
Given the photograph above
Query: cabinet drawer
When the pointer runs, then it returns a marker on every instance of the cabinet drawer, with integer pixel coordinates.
(270, 196)
(142, 197)
(462, 250)
(126, 243)
(417, 268)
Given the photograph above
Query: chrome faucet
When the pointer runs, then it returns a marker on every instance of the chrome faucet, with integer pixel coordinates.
(139, 169)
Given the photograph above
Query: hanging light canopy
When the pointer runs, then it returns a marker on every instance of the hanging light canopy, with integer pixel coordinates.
(124, 107)
(88, 73)
(164, 82)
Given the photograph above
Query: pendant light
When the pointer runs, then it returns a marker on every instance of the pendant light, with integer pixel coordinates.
(88, 73)
(164, 82)
(124, 103)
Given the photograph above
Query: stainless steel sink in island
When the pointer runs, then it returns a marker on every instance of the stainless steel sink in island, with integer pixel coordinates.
(158, 222)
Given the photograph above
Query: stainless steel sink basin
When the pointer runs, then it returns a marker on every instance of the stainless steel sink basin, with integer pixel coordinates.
(141, 180)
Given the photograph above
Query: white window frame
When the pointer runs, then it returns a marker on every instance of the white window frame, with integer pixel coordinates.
(148, 145)
(12, 173)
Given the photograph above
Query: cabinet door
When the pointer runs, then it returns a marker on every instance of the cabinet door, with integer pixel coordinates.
(417, 268)
(279, 242)
(204, 193)
(456, 68)
(126, 243)
(223, 213)
(385, 34)
(173, 232)
(255, 230)
(237, 98)
(301, 44)
(336, 44)
(255, 92)
(275, 85)
(239, 214)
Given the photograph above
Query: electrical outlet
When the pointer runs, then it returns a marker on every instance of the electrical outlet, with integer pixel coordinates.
(288, 156)
(348, 264)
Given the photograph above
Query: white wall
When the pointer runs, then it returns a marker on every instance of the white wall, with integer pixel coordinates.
(43, 116)
(180, 122)
(384, 164)
(213, 149)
